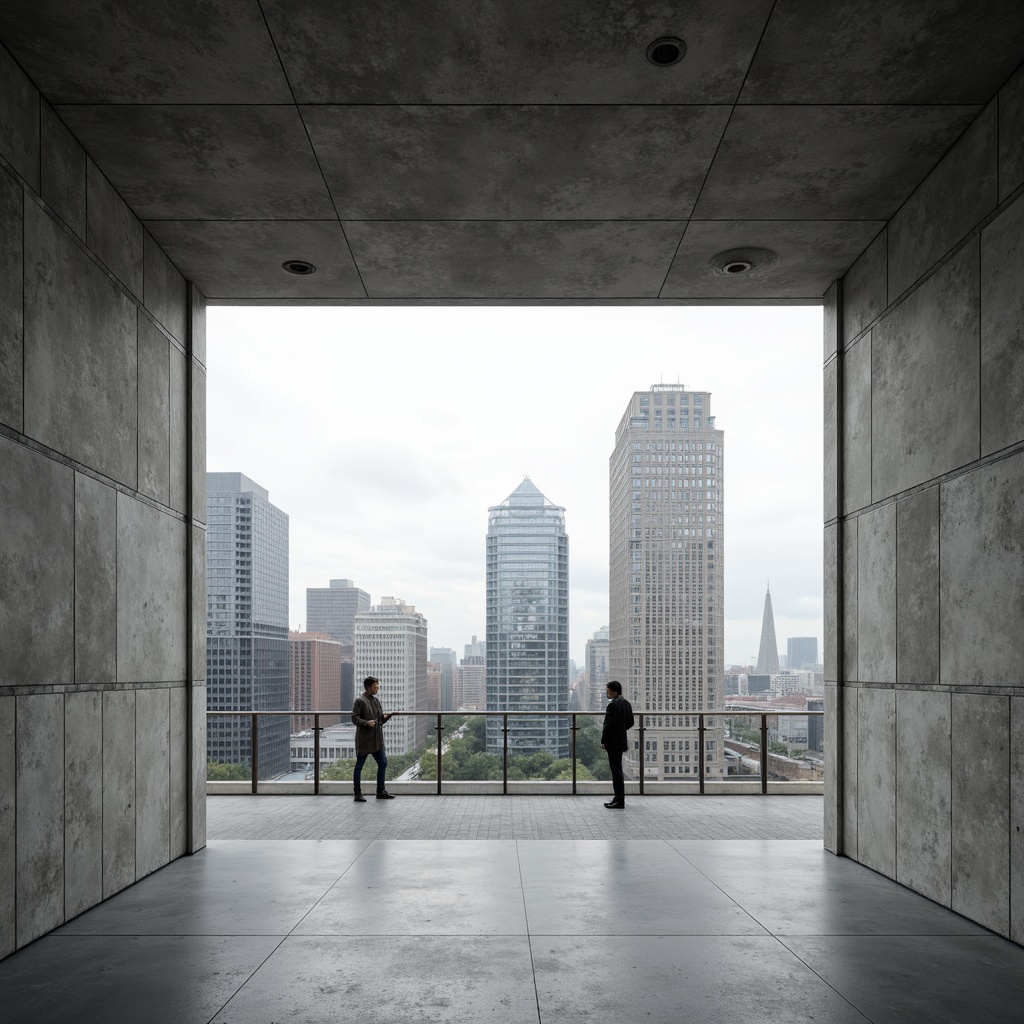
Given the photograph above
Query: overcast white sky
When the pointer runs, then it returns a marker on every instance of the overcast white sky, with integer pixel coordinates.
(386, 433)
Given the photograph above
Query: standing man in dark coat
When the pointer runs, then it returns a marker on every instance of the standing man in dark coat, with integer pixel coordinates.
(369, 718)
(618, 717)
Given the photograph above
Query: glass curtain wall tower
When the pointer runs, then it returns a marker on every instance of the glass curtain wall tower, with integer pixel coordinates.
(666, 576)
(528, 621)
(248, 665)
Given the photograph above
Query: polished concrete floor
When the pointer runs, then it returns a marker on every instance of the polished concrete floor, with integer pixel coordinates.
(510, 931)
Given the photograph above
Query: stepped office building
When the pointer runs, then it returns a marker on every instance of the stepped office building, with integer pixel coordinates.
(528, 621)
(666, 574)
(247, 651)
(332, 610)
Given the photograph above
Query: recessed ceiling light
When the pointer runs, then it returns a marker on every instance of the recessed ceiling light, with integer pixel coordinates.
(746, 262)
(666, 51)
(300, 267)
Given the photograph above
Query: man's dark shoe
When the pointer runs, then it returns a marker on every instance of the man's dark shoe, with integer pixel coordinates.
(359, 798)
(384, 795)
(614, 805)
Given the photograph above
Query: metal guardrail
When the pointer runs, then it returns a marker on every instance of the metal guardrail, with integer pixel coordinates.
(701, 717)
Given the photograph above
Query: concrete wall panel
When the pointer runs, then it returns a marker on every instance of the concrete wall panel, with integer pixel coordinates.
(831, 596)
(850, 774)
(114, 232)
(151, 581)
(80, 354)
(857, 426)
(40, 814)
(865, 287)
(198, 325)
(876, 780)
(11, 308)
(923, 767)
(118, 790)
(830, 317)
(152, 780)
(833, 778)
(62, 171)
(154, 412)
(917, 588)
(1002, 330)
(95, 581)
(850, 613)
(1017, 819)
(178, 410)
(981, 809)
(8, 853)
(1011, 135)
(19, 120)
(950, 202)
(165, 290)
(831, 479)
(876, 595)
(982, 583)
(179, 772)
(83, 801)
(37, 564)
(925, 384)
(198, 598)
(197, 824)
(198, 443)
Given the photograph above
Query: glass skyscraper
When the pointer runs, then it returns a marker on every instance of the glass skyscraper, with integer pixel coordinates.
(528, 621)
(247, 648)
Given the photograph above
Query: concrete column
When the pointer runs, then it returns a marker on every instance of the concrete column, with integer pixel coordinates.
(102, 558)
(924, 537)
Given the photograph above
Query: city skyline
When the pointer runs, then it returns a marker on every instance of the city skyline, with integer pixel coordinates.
(412, 441)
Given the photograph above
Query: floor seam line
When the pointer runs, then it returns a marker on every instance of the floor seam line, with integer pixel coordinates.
(529, 940)
(800, 959)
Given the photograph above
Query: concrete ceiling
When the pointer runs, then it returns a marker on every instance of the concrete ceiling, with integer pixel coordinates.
(503, 150)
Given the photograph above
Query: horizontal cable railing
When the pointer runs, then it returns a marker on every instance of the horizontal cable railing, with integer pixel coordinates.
(641, 717)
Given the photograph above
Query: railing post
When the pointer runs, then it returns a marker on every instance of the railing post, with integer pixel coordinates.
(764, 754)
(572, 739)
(254, 746)
(504, 755)
(700, 745)
(643, 759)
(316, 754)
(440, 729)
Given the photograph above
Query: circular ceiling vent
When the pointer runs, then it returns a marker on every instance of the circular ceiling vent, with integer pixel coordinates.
(300, 267)
(748, 262)
(666, 51)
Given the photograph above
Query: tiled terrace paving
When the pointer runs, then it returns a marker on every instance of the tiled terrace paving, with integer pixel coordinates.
(627, 927)
(514, 817)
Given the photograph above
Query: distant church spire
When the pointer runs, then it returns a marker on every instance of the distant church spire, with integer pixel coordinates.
(768, 652)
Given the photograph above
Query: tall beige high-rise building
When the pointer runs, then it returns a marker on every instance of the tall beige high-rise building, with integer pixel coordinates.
(391, 644)
(666, 576)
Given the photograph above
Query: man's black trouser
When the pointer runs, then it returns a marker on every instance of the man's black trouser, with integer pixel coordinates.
(382, 762)
(618, 783)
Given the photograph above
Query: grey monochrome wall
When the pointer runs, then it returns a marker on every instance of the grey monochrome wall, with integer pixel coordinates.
(102, 537)
(924, 538)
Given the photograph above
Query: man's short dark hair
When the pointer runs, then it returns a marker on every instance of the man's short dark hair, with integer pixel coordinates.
(615, 686)
(369, 681)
